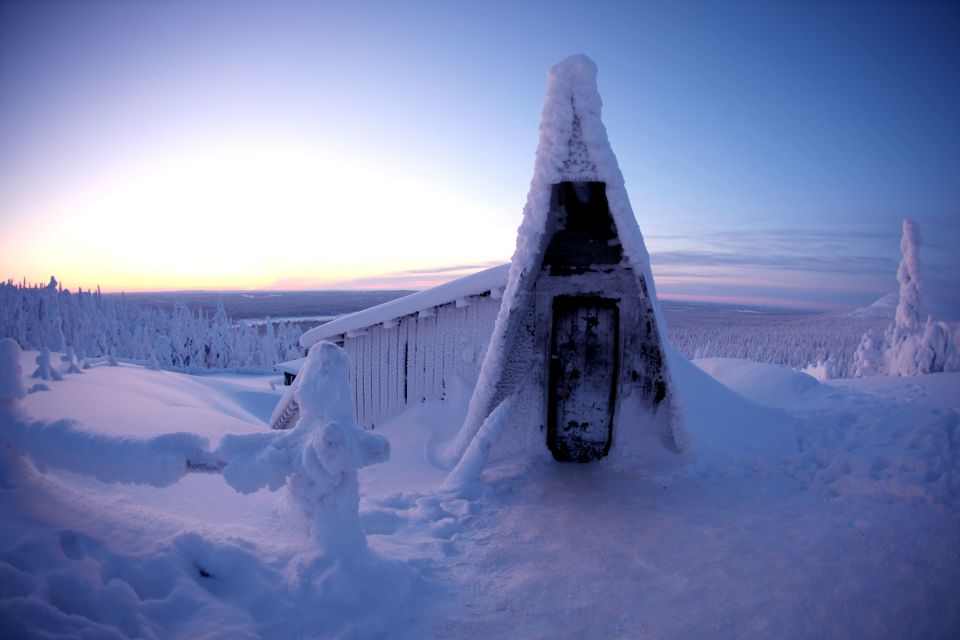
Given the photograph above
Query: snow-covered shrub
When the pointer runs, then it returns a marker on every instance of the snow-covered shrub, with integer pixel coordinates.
(71, 359)
(823, 370)
(324, 483)
(44, 370)
(868, 359)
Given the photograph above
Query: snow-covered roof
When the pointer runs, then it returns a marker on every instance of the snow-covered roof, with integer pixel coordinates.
(292, 366)
(491, 280)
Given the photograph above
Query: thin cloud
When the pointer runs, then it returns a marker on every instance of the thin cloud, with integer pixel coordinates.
(410, 279)
(843, 265)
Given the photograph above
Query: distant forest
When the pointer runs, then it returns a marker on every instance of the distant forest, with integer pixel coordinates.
(216, 330)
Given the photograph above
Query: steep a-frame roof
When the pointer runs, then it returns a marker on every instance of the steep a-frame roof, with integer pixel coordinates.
(573, 147)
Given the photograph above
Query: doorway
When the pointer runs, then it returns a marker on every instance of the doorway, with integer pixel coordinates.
(583, 377)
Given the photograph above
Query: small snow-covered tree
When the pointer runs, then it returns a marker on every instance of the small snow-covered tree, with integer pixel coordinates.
(71, 359)
(45, 371)
(868, 359)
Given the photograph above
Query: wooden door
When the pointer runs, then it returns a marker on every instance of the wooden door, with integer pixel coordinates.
(583, 377)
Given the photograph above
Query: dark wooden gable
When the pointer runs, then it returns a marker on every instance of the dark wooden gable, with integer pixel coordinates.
(585, 236)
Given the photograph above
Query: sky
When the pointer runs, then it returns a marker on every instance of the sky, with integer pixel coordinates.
(770, 149)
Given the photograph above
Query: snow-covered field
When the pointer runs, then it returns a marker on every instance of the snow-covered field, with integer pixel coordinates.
(853, 534)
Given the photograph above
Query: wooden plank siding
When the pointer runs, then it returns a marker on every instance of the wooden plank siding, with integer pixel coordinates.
(418, 358)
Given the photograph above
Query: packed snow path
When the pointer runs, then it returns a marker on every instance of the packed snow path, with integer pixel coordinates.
(592, 554)
(856, 536)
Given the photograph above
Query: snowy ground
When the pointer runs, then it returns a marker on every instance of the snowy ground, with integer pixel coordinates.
(853, 535)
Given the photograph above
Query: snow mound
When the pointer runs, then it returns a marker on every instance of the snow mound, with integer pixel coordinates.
(770, 385)
(727, 431)
(67, 584)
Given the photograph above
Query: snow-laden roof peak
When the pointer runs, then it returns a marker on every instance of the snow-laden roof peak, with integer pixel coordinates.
(577, 69)
(570, 128)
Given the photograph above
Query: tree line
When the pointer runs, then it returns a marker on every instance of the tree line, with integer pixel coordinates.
(94, 325)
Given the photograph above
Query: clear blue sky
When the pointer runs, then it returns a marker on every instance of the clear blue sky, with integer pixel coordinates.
(770, 149)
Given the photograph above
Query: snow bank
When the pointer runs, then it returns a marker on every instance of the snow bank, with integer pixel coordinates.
(728, 432)
(770, 385)
(852, 440)
(68, 584)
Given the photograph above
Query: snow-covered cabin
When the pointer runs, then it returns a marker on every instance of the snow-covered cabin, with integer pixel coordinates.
(409, 350)
(570, 332)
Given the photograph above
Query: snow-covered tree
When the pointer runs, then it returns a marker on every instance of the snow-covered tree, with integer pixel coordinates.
(53, 317)
(909, 309)
(44, 370)
(868, 359)
(71, 359)
(912, 345)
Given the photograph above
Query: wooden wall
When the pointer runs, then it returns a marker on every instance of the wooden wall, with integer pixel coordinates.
(418, 358)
